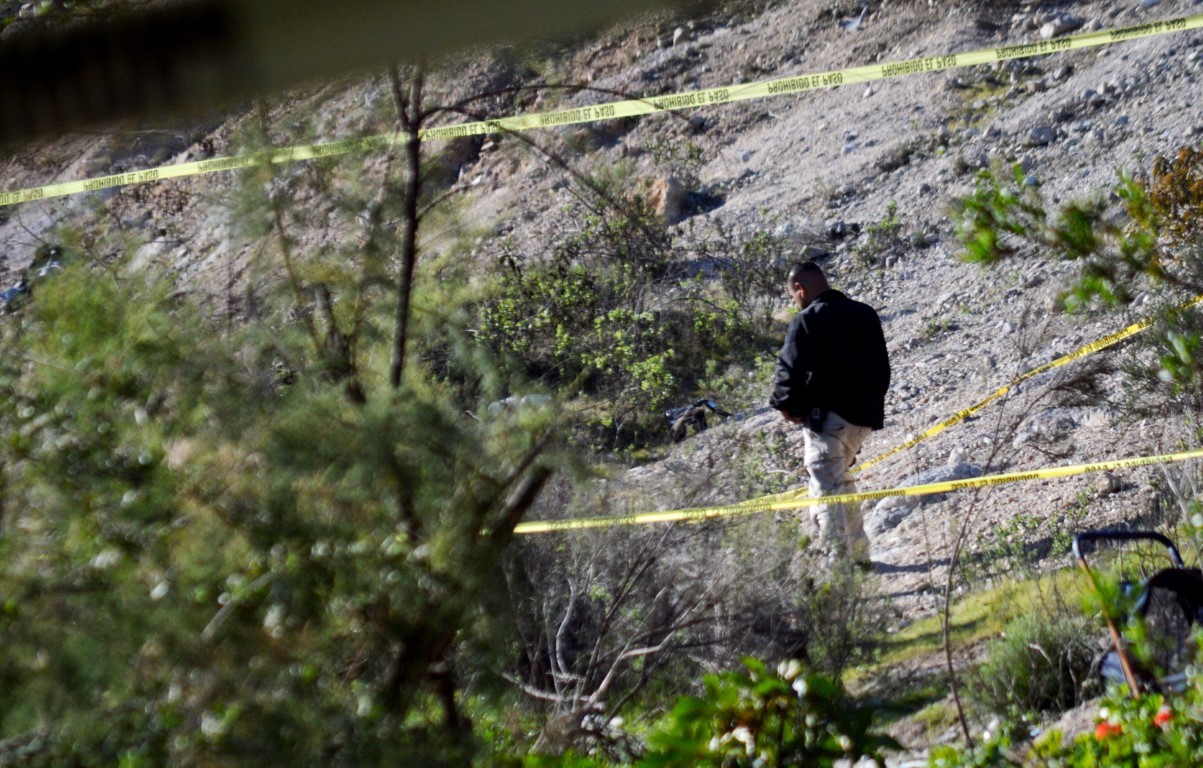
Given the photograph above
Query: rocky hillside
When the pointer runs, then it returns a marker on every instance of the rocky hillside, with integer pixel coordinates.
(860, 176)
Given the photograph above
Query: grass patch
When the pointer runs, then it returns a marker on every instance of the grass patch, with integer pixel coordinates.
(921, 693)
(981, 615)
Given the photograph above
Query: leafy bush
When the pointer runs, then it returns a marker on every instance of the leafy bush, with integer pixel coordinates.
(612, 313)
(1176, 193)
(1150, 731)
(1042, 664)
(765, 718)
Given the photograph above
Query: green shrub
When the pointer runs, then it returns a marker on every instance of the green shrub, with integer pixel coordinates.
(612, 314)
(1042, 664)
(765, 718)
(1176, 192)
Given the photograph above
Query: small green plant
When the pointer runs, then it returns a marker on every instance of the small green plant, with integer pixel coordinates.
(1147, 731)
(1071, 521)
(936, 326)
(1005, 549)
(879, 237)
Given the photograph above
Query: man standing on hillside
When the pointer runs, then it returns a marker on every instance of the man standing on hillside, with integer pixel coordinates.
(831, 377)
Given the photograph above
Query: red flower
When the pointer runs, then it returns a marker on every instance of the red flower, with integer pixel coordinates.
(1106, 729)
(1163, 717)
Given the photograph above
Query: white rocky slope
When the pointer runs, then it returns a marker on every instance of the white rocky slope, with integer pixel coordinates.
(799, 166)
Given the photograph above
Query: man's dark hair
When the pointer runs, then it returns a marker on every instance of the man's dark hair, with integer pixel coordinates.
(803, 268)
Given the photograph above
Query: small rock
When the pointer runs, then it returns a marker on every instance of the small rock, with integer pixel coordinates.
(668, 198)
(1149, 3)
(1041, 136)
(1060, 25)
(1107, 483)
(680, 36)
(1048, 426)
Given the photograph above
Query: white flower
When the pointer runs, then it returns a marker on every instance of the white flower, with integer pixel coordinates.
(106, 559)
(789, 669)
(743, 735)
(365, 706)
(274, 618)
(212, 725)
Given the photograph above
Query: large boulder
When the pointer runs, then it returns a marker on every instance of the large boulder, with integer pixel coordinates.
(890, 512)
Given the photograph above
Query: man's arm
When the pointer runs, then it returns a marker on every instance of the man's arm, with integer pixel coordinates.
(793, 361)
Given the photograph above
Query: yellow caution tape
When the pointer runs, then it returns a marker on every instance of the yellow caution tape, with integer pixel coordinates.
(962, 415)
(628, 108)
(701, 514)
(197, 168)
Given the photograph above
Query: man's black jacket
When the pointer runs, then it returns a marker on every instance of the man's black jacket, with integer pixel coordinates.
(835, 358)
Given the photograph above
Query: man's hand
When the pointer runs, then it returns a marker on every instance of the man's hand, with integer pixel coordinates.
(792, 419)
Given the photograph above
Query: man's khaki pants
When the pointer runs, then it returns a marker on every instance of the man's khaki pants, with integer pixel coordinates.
(828, 456)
